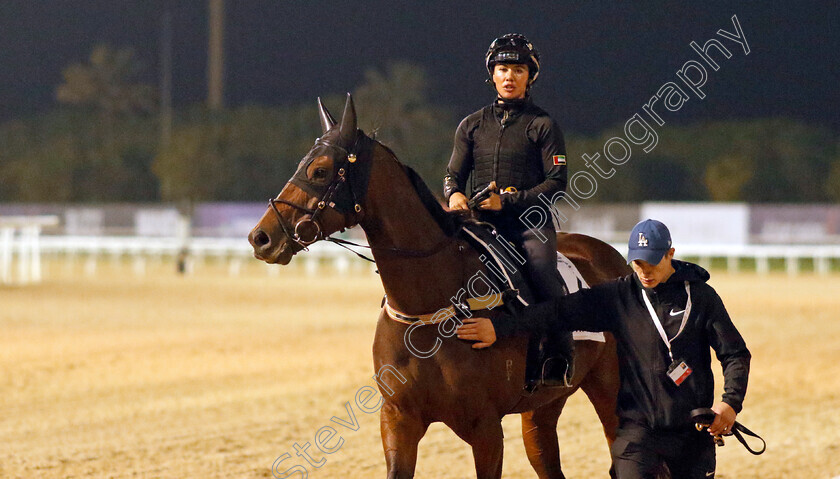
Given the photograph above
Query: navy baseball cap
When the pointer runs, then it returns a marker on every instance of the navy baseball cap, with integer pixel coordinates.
(649, 241)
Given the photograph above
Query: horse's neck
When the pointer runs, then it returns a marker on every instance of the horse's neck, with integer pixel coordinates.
(396, 219)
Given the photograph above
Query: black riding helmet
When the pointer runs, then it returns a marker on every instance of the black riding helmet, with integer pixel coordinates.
(513, 48)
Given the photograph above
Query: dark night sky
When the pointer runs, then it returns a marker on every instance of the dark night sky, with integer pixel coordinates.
(601, 60)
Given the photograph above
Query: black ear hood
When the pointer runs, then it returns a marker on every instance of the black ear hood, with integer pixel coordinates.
(351, 152)
(347, 130)
(327, 120)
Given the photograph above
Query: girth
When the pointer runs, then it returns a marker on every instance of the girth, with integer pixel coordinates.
(441, 315)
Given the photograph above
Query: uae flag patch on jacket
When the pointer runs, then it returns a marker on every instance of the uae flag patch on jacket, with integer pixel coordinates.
(559, 160)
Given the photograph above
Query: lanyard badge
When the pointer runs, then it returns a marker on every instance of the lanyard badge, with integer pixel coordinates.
(678, 371)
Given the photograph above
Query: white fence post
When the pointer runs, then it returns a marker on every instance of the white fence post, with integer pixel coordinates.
(792, 265)
(6, 235)
(732, 263)
(24, 247)
(822, 264)
(34, 233)
(762, 264)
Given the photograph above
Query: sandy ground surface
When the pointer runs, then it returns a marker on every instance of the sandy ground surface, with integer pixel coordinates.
(215, 376)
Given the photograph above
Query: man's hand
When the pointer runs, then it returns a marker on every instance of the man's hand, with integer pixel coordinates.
(478, 329)
(724, 420)
(458, 201)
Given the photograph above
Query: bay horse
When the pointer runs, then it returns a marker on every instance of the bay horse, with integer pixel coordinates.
(349, 179)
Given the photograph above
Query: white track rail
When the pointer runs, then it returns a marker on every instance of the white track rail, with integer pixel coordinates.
(22, 243)
(791, 255)
(233, 250)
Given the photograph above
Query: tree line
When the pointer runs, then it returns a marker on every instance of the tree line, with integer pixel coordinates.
(102, 143)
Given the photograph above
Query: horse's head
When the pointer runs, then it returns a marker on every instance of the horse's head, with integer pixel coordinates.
(325, 195)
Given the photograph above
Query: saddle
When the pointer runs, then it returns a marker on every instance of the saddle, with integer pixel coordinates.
(544, 363)
(502, 259)
(505, 277)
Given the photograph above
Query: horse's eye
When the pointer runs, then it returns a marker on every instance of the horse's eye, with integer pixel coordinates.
(319, 174)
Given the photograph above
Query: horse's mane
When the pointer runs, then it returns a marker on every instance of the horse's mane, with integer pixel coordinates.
(449, 221)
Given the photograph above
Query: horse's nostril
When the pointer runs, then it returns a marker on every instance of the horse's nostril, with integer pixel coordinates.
(261, 239)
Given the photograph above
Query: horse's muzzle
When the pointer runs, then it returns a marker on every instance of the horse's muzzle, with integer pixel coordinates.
(265, 249)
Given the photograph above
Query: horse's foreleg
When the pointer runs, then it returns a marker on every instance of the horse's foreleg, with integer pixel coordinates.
(487, 441)
(601, 387)
(401, 432)
(539, 432)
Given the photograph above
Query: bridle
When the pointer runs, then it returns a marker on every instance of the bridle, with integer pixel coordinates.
(336, 196)
(327, 196)
(323, 201)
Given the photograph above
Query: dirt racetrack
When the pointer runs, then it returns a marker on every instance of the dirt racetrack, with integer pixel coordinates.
(214, 376)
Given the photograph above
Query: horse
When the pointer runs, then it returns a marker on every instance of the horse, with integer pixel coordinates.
(349, 179)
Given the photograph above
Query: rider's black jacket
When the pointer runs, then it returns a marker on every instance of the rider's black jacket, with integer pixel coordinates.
(514, 143)
(647, 396)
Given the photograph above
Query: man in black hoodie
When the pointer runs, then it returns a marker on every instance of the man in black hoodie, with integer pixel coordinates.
(665, 318)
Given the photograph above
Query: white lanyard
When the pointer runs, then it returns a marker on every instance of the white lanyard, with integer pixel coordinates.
(658, 324)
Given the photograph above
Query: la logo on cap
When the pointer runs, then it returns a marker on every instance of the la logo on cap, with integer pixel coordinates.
(642, 240)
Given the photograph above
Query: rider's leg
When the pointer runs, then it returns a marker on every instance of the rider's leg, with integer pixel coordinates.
(540, 248)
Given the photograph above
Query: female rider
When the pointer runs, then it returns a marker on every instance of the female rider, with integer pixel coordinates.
(514, 147)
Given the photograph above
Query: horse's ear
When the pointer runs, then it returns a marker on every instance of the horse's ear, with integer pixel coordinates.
(327, 120)
(347, 130)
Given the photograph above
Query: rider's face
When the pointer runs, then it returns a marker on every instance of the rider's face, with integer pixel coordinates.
(511, 80)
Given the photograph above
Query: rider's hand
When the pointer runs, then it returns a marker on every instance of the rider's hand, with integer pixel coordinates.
(478, 329)
(492, 203)
(724, 420)
(458, 201)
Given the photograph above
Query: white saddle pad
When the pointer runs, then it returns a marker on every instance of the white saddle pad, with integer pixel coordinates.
(575, 282)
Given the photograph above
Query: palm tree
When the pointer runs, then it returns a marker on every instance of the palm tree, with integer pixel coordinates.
(106, 84)
(107, 99)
